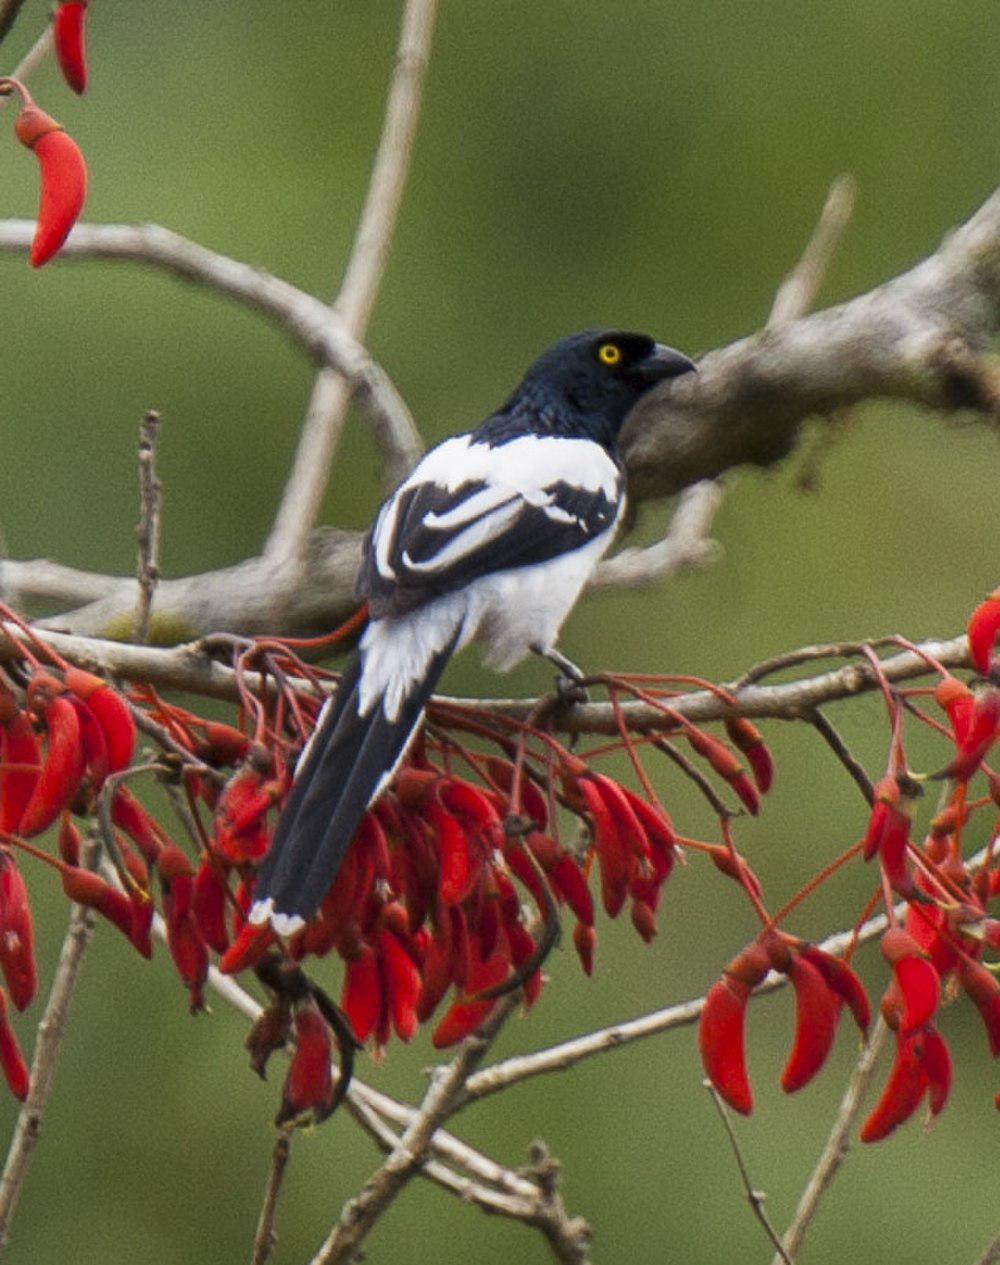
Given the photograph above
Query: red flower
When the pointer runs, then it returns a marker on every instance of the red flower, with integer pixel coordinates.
(309, 1083)
(984, 627)
(922, 1064)
(915, 994)
(821, 983)
(17, 934)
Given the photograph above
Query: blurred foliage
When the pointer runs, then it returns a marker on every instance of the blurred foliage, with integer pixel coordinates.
(642, 164)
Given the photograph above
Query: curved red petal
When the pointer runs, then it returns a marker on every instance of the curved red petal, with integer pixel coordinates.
(816, 1013)
(935, 1058)
(841, 980)
(983, 629)
(901, 1097)
(722, 1041)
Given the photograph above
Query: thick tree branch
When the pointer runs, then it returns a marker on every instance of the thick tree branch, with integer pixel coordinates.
(254, 597)
(920, 337)
(188, 667)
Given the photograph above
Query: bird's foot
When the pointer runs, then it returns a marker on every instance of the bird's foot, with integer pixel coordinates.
(570, 686)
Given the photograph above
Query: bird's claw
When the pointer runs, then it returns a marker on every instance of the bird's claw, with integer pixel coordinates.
(571, 690)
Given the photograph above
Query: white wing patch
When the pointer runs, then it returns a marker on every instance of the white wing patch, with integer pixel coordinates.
(477, 534)
(483, 502)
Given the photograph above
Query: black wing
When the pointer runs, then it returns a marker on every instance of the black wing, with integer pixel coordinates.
(429, 540)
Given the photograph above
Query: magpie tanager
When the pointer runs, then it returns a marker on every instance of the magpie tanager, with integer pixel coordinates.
(491, 537)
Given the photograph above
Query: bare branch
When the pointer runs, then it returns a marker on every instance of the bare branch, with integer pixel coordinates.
(367, 1104)
(542, 1207)
(266, 1238)
(307, 319)
(42, 580)
(840, 749)
(835, 1149)
(34, 56)
(992, 1254)
(37, 53)
(254, 597)
(755, 1198)
(686, 546)
(444, 1096)
(568, 1237)
(300, 505)
(920, 337)
(148, 531)
(794, 700)
(797, 292)
(188, 667)
(51, 1031)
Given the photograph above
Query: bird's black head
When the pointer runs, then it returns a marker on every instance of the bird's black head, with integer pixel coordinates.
(587, 384)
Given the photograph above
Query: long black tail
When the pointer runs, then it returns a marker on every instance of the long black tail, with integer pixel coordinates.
(334, 785)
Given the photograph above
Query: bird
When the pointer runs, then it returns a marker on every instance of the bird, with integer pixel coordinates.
(491, 537)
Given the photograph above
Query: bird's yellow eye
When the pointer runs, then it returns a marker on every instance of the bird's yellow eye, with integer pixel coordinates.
(609, 354)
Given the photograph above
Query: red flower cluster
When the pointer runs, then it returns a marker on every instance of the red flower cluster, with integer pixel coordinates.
(460, 873)
(822, 984)
(947, 929)
(429, 899)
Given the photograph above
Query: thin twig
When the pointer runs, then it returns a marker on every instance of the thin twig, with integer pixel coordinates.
(992, 1254)
(687, 543)
(302, 498)
(755, 1197)
(556, 1058)
(797, 292)
(835, 1148)
(694, 774)
(686, 546)
(9, 9)
(31, 60)
(51, 1031)
(266, 1238)
(147, 532)
(540, 1206)
(841, 750)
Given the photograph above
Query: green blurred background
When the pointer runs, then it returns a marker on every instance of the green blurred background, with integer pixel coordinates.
(646, 164)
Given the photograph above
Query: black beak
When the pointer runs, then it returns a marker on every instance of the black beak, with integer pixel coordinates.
(663, 363)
